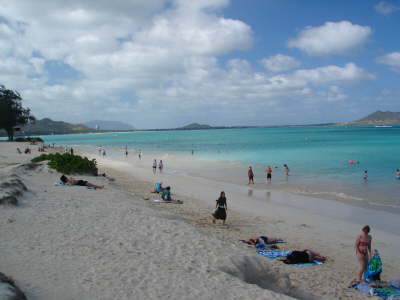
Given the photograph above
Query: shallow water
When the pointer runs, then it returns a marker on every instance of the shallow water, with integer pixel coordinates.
(317, 156)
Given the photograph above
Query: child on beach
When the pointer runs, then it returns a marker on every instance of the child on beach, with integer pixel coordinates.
(363, 251)
(250, 174)
(286, 169)
(220, 209)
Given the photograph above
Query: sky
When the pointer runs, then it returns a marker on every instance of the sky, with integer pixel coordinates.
(167, 63)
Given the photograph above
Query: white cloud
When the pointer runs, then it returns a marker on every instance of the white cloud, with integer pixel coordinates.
(152, 63)
(280, 62)
(391, 59)
(331, 38)
(386, 8)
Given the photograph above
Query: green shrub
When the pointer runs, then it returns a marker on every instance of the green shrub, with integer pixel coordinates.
(67, 163)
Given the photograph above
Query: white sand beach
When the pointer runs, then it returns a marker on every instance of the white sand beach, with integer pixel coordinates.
(76, 243)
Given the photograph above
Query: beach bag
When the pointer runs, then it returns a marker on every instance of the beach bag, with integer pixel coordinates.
(374, 268)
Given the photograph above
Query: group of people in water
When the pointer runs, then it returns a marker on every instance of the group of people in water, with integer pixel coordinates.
(268, 171)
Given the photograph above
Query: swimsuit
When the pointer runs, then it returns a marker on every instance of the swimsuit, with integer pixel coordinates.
(364, 252)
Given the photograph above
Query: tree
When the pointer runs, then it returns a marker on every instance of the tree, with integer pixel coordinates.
(11, 111)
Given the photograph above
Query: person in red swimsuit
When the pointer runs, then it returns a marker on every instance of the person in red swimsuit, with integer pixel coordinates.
(363, 250)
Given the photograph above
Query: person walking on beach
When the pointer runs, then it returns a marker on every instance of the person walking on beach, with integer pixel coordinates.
(104, 152)
(126, 150)
(140, 154)
(154, 166)
(365, 176)
(363, 251)
(160, 166)
(100, 150)
(250, 174)
(286, 169)
(220, 209)
(269, 173)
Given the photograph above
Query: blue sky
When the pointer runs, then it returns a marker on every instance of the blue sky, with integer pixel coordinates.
(166, 63)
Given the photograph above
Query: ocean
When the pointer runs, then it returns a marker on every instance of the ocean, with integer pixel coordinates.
(318, 156)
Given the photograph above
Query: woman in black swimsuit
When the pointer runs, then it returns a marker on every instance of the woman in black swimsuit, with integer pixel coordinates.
(221, 208)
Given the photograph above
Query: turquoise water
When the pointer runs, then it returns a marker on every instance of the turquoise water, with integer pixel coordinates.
(317, 156)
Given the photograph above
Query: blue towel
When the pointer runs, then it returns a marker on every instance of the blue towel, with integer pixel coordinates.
(274, 253)
(316, 262)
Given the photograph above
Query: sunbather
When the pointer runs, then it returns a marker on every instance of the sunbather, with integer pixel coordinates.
(262, 239)
(303, 256)
(72, 181)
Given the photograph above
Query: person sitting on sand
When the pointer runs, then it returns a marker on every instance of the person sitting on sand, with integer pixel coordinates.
(221, 208)
(158, 188)
(363, 251)
(303, 257)
(71, 181)
(166, 194)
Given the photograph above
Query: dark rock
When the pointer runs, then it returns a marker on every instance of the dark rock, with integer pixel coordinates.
(9, 290)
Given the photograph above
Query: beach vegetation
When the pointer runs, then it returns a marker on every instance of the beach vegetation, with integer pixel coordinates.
(68, 163)
(11, 111)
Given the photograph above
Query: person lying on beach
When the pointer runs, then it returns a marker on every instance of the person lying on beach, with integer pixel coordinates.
(262, 239)
(71, 181)
(303, 256)
(166, 194)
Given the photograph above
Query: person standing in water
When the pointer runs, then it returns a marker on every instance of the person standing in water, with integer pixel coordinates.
(269, 173)
(154, 166)
(250, 174)
(286, 169)
(398, 174)
(363, 251)
(160, 166)
(220, 209)
(365, 176)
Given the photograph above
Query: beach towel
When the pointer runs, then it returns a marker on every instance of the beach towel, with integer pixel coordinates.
(59, 183)
(374, 268)
(314, 263)
(274, 253)
(386, 292)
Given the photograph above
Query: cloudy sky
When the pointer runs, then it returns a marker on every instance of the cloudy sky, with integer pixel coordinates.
(166, 63)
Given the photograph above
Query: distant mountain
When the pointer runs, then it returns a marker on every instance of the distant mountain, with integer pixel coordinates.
(195, 126)
(108, 125)
(379, 118)
(48, 126)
